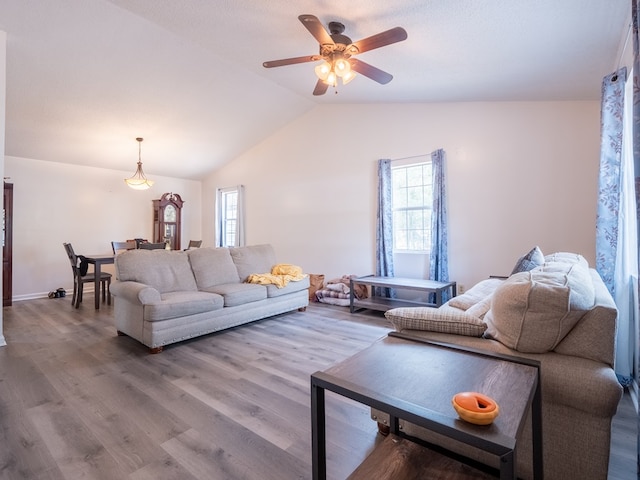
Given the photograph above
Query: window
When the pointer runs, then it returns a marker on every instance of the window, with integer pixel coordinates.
(411, 204)
(229, 221)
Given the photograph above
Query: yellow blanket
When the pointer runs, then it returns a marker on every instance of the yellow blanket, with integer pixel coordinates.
(281, 274)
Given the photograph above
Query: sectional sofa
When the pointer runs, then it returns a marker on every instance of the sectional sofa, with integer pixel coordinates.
(556, 311)
(163, 297)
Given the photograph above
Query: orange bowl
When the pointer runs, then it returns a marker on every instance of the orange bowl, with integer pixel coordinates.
(474, 407)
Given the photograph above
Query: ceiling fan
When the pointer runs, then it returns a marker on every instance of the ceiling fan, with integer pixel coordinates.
(337, 51)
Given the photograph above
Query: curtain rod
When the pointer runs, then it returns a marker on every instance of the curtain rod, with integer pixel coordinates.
(624, 47)
(408, 158)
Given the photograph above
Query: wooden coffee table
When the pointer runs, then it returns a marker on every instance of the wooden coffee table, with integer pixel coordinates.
(416, 380)
(425, 287)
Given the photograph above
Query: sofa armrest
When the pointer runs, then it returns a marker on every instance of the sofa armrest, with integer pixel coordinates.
(136, 292)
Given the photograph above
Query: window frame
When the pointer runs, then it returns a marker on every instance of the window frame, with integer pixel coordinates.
(425, 207)
(223, 220)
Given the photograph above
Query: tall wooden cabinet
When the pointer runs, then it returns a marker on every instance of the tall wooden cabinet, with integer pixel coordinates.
(7, 245)
(167, 212)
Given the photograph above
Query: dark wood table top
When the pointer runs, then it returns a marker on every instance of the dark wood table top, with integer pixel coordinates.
(422, 378)
(105, 258)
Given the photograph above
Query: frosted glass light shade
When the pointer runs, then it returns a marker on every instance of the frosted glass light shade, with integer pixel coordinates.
(138, 181)
(323, 70)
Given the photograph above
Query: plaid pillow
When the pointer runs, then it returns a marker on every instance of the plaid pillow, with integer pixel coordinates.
(443, 320)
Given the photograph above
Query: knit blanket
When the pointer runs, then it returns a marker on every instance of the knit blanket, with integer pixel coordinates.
(280, 275)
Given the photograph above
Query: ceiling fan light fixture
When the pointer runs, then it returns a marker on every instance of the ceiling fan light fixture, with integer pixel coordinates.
(347, 77)
(331, 79)
(342, 67)
(323, 70)
(139, 181)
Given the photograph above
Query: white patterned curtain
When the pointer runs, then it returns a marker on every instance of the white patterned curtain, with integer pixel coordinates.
(384, 228)
(636, 166)
(438, 255)
(616, 223)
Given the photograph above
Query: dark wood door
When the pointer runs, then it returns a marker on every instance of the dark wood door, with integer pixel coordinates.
(7, 245)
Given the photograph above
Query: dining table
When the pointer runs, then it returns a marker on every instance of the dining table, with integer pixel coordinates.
(97, 261)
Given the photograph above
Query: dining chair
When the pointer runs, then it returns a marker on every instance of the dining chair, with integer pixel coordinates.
(138, 241)
(119, 247)
(194, 244)
(153, 246)
(79, 280)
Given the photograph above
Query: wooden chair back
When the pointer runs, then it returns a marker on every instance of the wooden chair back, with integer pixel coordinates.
(153, 246)
(119, 247)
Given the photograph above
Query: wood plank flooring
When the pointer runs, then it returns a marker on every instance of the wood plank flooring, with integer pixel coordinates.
(77, 401)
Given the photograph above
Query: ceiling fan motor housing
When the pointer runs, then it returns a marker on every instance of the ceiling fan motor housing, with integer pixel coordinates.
(336, 29)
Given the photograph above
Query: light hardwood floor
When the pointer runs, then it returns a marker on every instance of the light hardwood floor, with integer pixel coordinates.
(77, 401)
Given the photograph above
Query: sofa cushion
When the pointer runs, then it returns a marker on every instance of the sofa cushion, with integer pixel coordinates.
(292, 286)
(566, 257)
(164, 270)
(480, 309)
(444, 319)
(212, 266)
(475, 294)
(253, 259)
(235, 294)
(533, 311)
(529, 261)
(181, 304)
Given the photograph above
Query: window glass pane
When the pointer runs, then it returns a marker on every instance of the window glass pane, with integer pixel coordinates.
(415, 219)
(399, 178)
(399, 198)
(229, 216)
(400, 220)
(416, 240)
(415, 196)
(414, 176)
(411, 198)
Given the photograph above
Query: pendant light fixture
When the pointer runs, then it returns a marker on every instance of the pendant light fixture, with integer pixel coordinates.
(138, 181)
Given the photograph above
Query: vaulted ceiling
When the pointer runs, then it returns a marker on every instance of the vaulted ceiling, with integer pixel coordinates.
(86, 77)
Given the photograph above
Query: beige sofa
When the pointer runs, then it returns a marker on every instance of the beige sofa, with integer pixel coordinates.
(163, 297)
(561, 314)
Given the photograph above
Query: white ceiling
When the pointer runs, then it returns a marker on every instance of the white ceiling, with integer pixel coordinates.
(85, 77)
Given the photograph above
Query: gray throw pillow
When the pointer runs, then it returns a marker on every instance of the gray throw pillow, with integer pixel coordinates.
(529, 261)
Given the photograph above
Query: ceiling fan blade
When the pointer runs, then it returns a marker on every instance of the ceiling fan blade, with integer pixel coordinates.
(382, 39)
(370, 71)
(291, 61)
(316, 29)
(321, 88)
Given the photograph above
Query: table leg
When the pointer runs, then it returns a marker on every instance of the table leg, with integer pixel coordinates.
(508, 466)
(536, 432)
(96, 283)
(318, 433)
(351, 296)
(394, 424)
(438, 297)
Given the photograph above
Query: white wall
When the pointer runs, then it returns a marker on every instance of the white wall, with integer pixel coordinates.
(88, 207)
(519, 175)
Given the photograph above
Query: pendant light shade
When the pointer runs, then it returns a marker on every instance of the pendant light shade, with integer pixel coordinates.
(138, 181)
